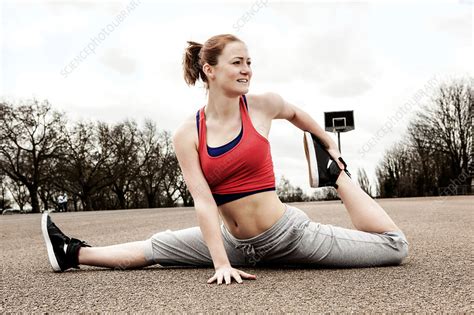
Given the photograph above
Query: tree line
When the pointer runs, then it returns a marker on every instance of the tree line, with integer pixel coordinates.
(99, 165)
(435, 156)
(290, 193)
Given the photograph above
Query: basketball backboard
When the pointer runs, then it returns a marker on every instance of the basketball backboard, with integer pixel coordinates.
(340, 121)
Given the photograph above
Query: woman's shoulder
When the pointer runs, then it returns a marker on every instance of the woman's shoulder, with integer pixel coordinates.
(186, 132)
(264, 99)
(267, 102)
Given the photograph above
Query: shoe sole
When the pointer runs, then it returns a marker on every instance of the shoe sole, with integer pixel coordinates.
(49, 246)
(311, 159)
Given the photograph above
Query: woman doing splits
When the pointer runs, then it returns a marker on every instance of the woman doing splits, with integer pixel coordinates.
(224, 154)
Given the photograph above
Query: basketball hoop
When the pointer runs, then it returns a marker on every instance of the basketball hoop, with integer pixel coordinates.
(338, 122)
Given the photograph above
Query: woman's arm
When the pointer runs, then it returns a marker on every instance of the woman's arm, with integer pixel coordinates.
(184, 141)
(206, 208)
(277, 108)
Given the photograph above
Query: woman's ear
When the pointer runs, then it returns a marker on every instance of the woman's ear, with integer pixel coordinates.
(208, 70)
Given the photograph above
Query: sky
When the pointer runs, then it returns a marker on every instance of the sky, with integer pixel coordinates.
(118, 60)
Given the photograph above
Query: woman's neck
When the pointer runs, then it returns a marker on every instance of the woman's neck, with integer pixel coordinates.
(221, 107)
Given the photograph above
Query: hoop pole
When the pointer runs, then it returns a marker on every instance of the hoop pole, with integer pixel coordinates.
(339, 141)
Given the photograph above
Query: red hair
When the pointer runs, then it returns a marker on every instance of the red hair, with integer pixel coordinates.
(196, 55)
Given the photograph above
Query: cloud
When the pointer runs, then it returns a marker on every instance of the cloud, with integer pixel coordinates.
(35, 27)
(56, 6)
(319, 56)
(456, 25)
(331, 49)
(60, 7)
(116, 59)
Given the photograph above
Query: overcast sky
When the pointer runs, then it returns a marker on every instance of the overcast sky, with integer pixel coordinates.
(98, 60)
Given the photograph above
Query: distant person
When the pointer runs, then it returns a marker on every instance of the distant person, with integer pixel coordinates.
(65, 202)
(225, 157)
(60, 202)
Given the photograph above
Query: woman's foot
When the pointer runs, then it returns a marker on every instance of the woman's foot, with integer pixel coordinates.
(323, 170)
(62, 250)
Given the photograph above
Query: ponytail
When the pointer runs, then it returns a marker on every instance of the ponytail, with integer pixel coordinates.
(192, 63)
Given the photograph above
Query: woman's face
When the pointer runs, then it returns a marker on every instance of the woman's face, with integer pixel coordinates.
(232, 72)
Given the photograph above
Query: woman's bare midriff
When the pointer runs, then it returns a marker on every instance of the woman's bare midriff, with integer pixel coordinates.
(252, 215)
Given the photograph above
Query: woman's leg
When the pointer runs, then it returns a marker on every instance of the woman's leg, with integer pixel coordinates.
(365, 213)
(120, 256)
(184, 247)
(187, 247)
(66, 252)
(300, 241)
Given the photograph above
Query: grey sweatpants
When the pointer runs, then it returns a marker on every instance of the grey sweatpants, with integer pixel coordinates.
(293, 240)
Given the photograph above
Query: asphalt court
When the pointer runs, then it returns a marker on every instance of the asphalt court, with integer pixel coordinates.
(436, 276)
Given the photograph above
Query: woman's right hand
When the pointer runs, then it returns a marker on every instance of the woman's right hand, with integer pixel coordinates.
(227, 272)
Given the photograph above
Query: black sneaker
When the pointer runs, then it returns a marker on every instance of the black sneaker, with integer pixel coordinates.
(62, 250)
(323, 170)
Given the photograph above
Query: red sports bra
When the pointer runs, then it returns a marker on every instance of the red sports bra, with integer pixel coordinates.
(246, 168)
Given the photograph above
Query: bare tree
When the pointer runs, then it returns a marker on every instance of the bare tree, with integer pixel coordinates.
(84, 162)
(5, 202)
(46, 194)
(170, 184)
(289, 193)
(184, 192)
(329, 193)
(471, 122)
(153, 153)
(397, 172)
(19, 193)
(30, 138)
(364, 181)
(123, 165)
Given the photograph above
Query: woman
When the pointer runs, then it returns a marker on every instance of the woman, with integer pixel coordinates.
(225, 158)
